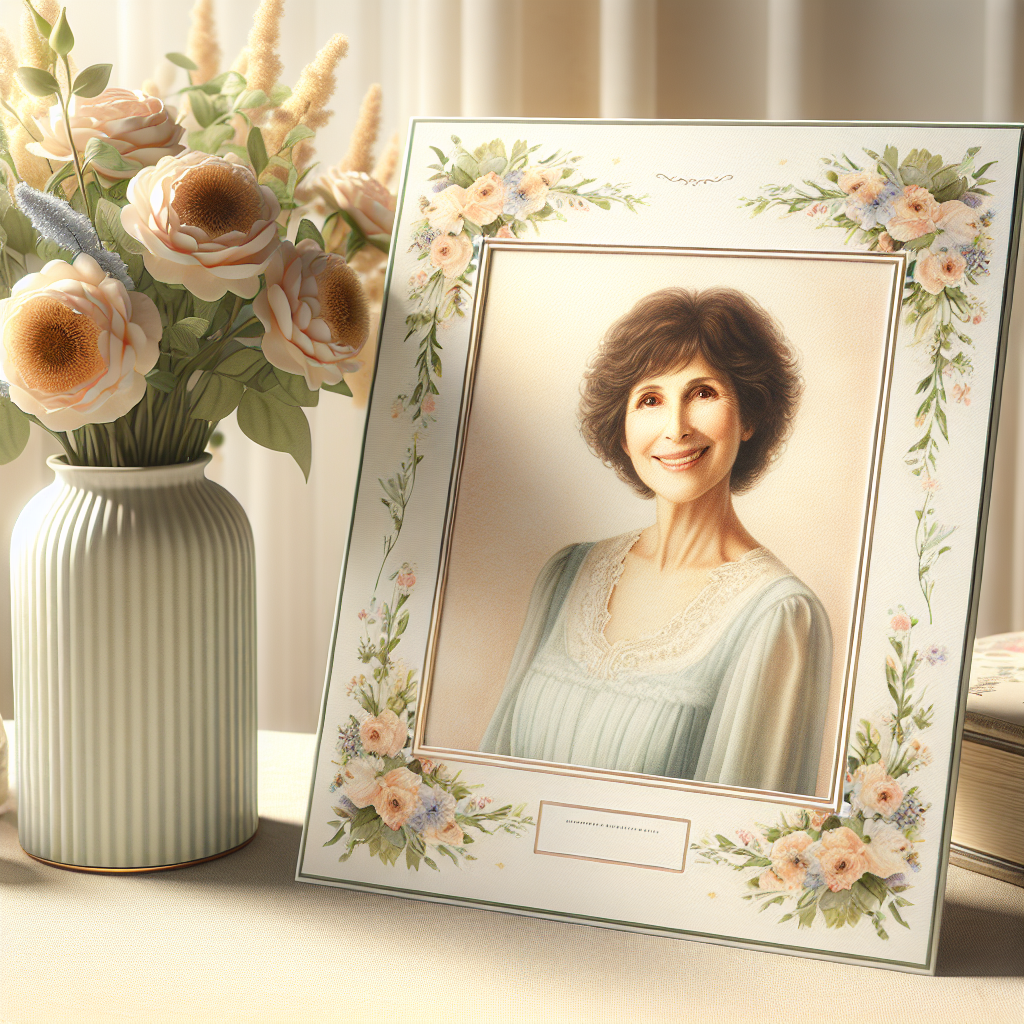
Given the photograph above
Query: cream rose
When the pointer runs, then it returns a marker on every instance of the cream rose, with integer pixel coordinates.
(887, 850)
(863, 186)
(527, 192)
(446, 210)
(75, 344)
(790, 859)
(939, 270)
(399, 797)
(842, 857)
(363, 198)
(205, 222)
(450, 834)
(315, 313)
(914, 214)
(875, 791)
(360, 783)
(138, 126)
(383, 734)
(484, 199)
(958, 221)
(451, 254)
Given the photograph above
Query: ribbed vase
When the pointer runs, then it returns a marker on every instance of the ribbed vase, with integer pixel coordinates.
(134, 635)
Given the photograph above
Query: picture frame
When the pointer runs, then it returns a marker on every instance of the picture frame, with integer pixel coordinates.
(770, 761)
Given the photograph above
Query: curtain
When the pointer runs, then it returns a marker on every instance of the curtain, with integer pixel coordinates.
(783, 59)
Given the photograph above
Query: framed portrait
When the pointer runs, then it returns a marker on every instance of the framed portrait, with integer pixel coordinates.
(663, 566)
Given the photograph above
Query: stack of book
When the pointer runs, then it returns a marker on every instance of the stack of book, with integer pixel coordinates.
(988, 818)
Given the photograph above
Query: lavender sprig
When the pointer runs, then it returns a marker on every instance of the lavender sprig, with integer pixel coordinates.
(55, 219)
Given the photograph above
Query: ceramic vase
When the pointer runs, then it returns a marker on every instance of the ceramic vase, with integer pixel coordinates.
(134, 641)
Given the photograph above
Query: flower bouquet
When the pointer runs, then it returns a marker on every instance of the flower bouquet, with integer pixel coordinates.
(182, 282)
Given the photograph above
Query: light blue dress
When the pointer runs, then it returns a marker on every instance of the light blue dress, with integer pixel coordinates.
(732, 690)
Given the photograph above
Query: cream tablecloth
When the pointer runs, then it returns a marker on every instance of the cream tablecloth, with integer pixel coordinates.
(238, 940)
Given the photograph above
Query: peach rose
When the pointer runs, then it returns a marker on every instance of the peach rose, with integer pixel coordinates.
(863, 186)
(527, 191)
(138, 126)
(842, 857)
(504, 232)
(451, 254)
(875, 791)
(790, 860)
(363, 198)
(938, 270)
(360, 783)
(887, 850)
(205, 222)
(383, 734)
(914, 214)
(484, 199)
(446, 210)
(75, 344)
(959, 222)
(450, 834)
(314, 311)
(885, 242)
(399, 797)
(771, 881)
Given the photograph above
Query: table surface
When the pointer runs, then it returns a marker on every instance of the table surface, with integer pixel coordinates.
(238, 939)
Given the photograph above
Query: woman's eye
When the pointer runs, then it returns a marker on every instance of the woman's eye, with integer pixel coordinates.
(648, 400)
(706, 393)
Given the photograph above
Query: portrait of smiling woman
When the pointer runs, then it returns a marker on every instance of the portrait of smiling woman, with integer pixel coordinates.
(682, 648)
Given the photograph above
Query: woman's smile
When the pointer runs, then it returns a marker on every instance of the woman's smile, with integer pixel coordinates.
(678, 461)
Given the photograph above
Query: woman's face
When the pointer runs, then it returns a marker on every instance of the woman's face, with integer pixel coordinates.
(683, 430)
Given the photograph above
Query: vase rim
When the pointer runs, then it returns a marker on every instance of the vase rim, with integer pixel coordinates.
(118, 478)
(59, 463)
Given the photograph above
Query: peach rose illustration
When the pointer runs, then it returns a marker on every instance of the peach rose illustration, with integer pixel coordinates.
(914, 214)
(360, 783)
(863, 186)
(790, 859)
(875, 791)
(450, 834)
(399, 797)
(527, 191)
(504, 232)
(205, 222)
(885, 242)
(138, 126)
(939, 270)
(314, 311)
(447, 209)
(484, 199)
(363, 198)
(383, 734)
(959, 222)
(75, 344)
(842, 858)
(771, 881)
(451, 254)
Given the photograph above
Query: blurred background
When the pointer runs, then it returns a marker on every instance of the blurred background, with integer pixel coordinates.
(875, 60)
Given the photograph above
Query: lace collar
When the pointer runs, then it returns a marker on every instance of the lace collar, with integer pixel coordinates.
(687, 635)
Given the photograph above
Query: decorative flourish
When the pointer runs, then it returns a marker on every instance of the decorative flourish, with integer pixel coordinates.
(385, 799)
(856, 863)
(939, 213)
(695, 181)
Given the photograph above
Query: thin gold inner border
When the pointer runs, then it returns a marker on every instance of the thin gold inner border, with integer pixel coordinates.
(608, 860)
(833, 799)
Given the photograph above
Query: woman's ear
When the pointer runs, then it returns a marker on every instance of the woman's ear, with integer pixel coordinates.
(748, 433)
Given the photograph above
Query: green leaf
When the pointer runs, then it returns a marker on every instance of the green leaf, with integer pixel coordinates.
(922, 242)
(21, 236)
(204, 110)
(307, 229)
(341, 388)
(92, 81)
(179, 341)
(162, 380)
(336, 837)
(217, 397)
(195, 325)
(14, 431)
(209, 140)
(250, 98)
(282, 428)
(278, 94)
(106, 156)
(295, 387)
(257, 150)
(108, 224)
(242, 364)
(37, 82)
(182, 61)
(298, 134)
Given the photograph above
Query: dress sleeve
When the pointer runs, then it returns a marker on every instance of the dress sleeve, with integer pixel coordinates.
(549, 591)
(768, 720)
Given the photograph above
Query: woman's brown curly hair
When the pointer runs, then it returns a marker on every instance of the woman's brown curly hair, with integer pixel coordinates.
(666, 330)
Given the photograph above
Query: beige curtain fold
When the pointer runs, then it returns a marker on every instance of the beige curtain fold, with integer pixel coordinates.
(551, 58)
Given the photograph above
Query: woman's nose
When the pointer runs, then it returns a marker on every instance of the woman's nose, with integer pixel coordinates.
(677, 422)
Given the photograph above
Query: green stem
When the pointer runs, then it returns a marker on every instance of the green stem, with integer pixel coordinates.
(64, 105)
